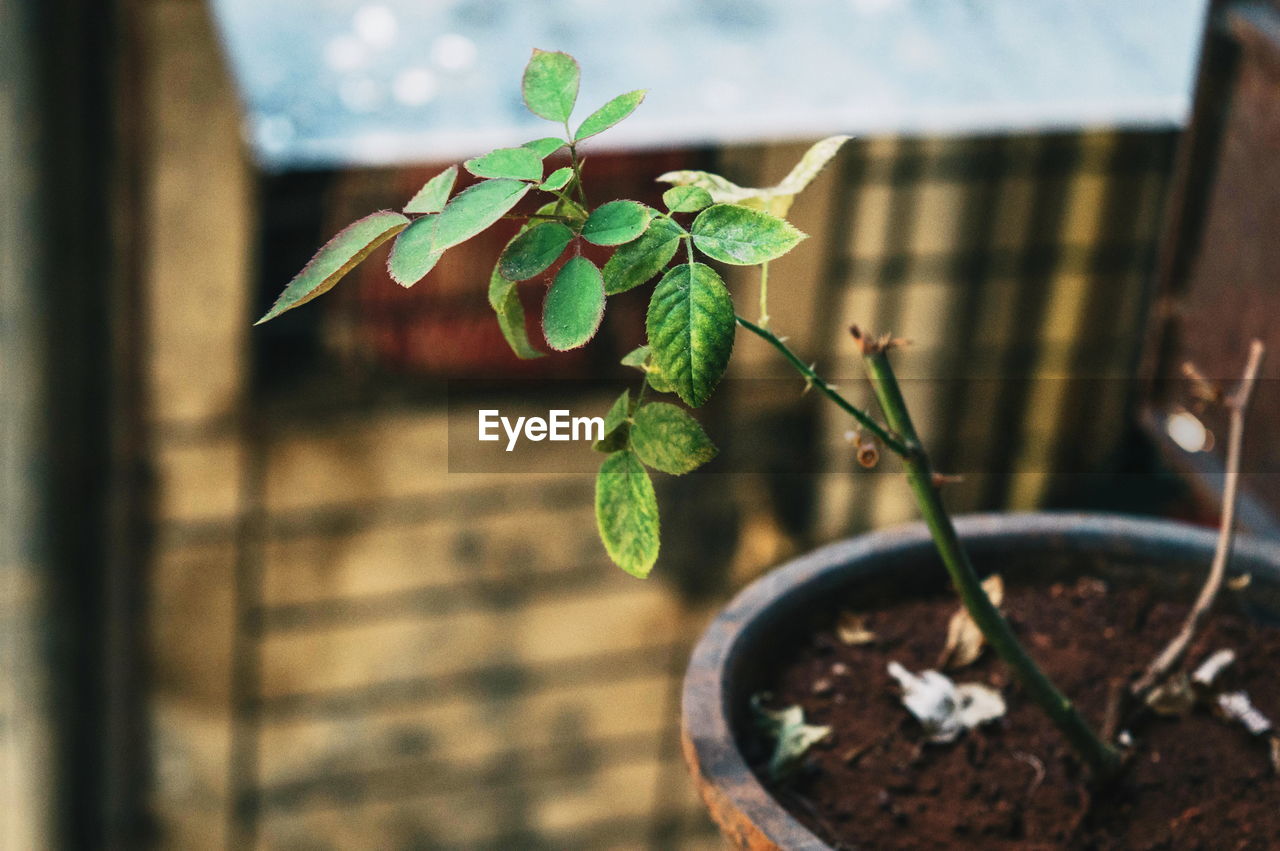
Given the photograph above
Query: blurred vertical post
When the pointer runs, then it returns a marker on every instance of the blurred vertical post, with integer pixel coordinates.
(26, 782)
(66, 567)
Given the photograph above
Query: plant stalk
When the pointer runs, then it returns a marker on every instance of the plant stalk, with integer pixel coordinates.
(576, 164)
(764, 295)
(1102, 759)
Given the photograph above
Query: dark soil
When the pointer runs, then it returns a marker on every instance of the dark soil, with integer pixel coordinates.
(1195, 782)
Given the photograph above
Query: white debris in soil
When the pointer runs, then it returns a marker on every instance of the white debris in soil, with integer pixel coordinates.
(1237, 706)
(1211, 668)
(942, 707)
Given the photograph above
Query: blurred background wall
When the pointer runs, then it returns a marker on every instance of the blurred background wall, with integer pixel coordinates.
(72, 544)
(338, 642)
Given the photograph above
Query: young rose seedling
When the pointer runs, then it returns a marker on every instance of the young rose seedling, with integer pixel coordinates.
(690, 323)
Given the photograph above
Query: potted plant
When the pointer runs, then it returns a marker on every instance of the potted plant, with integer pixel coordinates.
(860, 736)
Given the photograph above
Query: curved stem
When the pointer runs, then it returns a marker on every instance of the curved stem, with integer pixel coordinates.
(863, 418)
(1102, 759)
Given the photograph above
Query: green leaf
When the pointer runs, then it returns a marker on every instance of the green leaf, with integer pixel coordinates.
(637, 357)
(668, 439)
(336, 258)
(504, 298)
(505, 301)
(616, 427)
(639, 260)
(557, 180)
(534, 250)
(691, 326)
(434, 193)
(515, 163)
(550, 84)
(568, 209)
(545, 147)
(475, 208)
(615, 223)
(641, 358)
(574, 305)
(627, 513)
(419, 248)
(743, 237)
(686, 199)
(411, 257)
(609, 114)
(658, 381)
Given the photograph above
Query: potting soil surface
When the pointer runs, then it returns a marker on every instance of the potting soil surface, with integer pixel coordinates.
(1194, 781)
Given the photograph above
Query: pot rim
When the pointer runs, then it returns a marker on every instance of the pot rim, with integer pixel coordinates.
(745, 811)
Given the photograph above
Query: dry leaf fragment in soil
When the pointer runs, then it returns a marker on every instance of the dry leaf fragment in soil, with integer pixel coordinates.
(1173, 696)
(791, 735)
(964, 638)
(852, 629)
(942, 707)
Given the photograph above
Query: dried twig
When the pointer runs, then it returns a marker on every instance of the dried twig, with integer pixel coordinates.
(1238, 405)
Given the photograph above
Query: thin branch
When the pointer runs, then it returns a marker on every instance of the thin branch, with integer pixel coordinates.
(548, 217)
(1238, 405)
(576, 164)
(893, 442)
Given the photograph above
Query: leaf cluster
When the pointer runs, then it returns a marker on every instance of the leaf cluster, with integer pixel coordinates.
(690, 322)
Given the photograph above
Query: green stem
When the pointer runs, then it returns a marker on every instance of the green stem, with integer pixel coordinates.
(764, 295)
(577, 168)
(562, 198)
(1102, 759)
(826, 389)
(542, 217)
(644, 388)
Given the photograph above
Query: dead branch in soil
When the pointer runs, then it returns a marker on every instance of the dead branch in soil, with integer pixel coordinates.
(1238, 405)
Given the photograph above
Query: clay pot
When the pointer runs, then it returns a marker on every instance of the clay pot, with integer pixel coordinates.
(740, 646)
